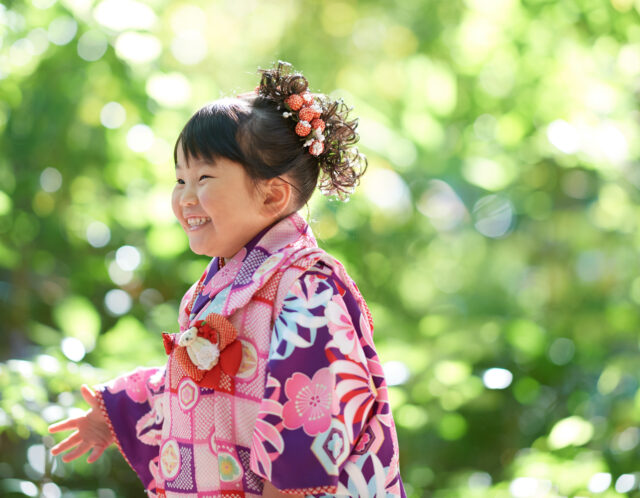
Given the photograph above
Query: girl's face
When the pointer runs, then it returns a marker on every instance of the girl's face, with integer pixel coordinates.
(217, 205)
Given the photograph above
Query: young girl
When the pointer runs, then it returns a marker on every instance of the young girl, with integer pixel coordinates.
(273, 386)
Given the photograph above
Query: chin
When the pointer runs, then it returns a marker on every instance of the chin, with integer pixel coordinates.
(200, 251)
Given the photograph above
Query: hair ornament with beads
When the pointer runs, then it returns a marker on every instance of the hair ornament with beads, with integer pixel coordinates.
(303, 109)
(323, 125)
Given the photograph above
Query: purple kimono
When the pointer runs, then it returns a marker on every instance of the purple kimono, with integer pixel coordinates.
(273, 375)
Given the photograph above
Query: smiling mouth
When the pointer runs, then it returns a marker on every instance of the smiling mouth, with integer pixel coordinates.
(195, 223)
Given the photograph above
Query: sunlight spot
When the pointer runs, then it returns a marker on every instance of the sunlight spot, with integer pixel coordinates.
(170, 90)
(442, 206)
(35, 457)
(613, 143)
(98, 234)
(140, 138)
(51, 490)
(479, 480)
(43, 4)
(119, 276)
(494, 216)
(117, 301)
(387, 190)
(627, 439)
(137, 48)
(39, 39)
(21, 52)
(52, 413)
(48, 364)
(92, 45)
(73, 349)
(395, 373)
(563, 136)
(625, 483)
(561, 351)
(488, 173)
(128, 258)
(50, 180)
(120, 15)
(571, 431)
(189, 46)
(600, 482)
(62, 30)
(112, 115)
(497, 378)
(28, 488)
(525, 487)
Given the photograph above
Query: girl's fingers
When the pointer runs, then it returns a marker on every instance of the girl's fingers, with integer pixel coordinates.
(89, 396)
(95, 453)
(75, 453)
(68, 443)
(65, 425)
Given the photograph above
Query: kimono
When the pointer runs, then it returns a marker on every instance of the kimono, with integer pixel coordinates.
(273, 375)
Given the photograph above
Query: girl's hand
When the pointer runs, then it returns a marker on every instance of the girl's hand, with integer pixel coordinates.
(91, 431)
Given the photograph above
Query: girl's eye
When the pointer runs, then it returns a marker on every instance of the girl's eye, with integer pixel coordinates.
(180, 181)
(204, 176)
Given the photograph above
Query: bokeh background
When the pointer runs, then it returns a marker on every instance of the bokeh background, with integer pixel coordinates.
(495, 234)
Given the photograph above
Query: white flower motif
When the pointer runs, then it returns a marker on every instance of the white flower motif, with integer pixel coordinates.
(188, 337)
(203, 353)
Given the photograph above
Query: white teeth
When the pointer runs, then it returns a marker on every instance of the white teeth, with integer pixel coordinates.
(197, 221)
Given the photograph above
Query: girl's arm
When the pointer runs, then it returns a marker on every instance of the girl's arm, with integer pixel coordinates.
(91, 431)
(270, 491)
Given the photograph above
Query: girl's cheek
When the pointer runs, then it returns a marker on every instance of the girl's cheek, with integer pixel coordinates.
(205, 197)
(175, 203)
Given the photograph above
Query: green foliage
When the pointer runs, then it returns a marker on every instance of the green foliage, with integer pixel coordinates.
(497, 227)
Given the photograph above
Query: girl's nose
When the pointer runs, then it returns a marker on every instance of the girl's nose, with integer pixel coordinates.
(188, 197)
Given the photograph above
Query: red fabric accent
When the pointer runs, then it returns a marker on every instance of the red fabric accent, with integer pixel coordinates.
(206, 331)
(232, 494)
(182, 357)
(167, 340)
(341, 289)
(195, 294)
(211, 379)
(311, 491)
(263, 300)
(226, 331)
(231, 358)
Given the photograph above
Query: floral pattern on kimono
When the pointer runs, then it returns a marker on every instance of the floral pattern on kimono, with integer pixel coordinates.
(326, 397)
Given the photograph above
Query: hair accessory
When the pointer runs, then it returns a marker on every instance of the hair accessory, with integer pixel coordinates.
(303, 109)
(303, 128)
(294, 102)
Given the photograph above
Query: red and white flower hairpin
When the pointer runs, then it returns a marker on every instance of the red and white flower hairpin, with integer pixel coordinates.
(303, 108)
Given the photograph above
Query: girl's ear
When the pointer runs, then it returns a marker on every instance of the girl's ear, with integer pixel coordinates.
(276, 196)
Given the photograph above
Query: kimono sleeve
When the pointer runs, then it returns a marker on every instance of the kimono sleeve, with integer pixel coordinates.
(318, 389)
(133, 409)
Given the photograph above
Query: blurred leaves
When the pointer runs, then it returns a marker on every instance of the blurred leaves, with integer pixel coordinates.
(495, 235)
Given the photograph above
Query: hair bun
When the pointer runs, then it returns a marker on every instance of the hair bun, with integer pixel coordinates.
(341, 164)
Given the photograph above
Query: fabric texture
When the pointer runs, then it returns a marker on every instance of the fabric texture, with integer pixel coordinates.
(297, 395)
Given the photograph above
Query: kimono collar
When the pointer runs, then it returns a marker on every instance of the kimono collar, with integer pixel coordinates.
(274, 249)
